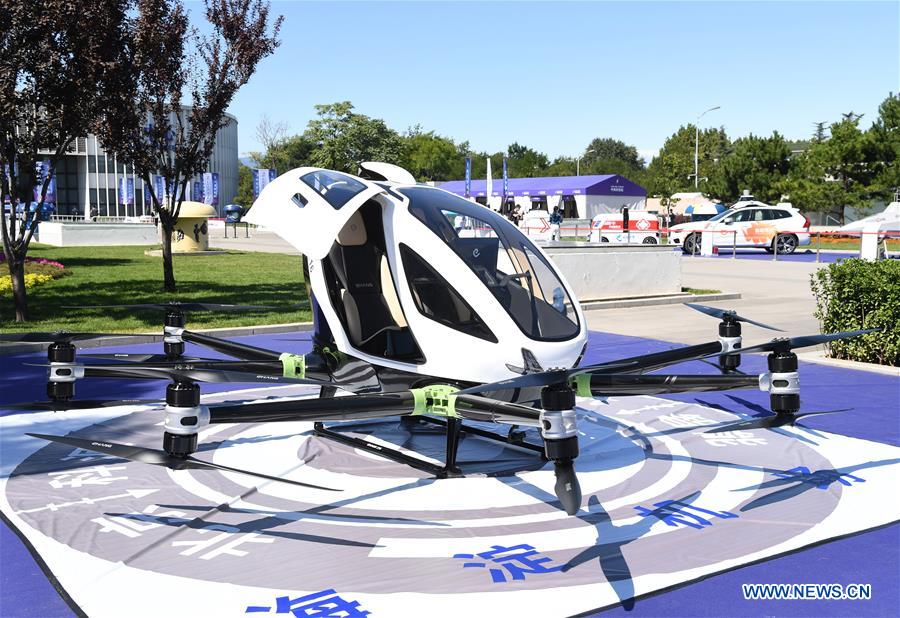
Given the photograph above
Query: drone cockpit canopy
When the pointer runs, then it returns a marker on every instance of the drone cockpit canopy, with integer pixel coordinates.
(412, 276)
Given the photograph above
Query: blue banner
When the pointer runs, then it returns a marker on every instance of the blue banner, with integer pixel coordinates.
(468, 176)
(505, 176)
(197, 193)
(6, 173)
(126, 191)
(42, 170)
(211, 188)
(262, 177)
(160, 188)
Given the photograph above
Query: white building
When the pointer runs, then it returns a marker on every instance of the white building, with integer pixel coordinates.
(88, 178)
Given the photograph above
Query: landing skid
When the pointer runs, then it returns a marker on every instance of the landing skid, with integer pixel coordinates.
(455, 429)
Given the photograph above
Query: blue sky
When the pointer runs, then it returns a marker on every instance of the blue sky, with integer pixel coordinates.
(555, 75)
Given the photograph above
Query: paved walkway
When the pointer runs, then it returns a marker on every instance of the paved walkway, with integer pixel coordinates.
(775, 293)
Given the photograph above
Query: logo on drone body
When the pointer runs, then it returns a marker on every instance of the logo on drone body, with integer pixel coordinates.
(476, 253)
(101, 444)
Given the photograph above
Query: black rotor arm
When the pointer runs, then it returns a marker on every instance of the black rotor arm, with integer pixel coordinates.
(623, 384)
(353, 407)
(357, 407)
(658, 360)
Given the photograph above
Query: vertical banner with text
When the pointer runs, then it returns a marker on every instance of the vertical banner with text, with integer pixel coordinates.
(505, 177)
(42, 170)
(211, 188)
(468, 176)
(262, 177)
(126, 191)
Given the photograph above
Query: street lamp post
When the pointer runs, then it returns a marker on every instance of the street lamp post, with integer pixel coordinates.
(578, 162)
(697, 146)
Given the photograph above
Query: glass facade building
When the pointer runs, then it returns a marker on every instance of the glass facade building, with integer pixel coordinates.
(87, 177)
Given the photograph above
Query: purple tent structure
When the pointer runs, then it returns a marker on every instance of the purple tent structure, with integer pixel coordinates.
(581, 196)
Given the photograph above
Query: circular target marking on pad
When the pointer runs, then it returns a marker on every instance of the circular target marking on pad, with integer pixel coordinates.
(661, 496)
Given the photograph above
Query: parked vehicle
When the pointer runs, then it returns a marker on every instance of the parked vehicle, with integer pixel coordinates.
(643, 227)
(749, 223)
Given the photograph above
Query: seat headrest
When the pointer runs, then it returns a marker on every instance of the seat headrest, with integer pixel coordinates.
(353, 234)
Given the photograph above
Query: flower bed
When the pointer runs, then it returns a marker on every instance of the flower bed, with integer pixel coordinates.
(38, 271)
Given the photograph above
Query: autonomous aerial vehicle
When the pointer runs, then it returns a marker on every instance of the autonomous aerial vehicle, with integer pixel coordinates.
(426, 306)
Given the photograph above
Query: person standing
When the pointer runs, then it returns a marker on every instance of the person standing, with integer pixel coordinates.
(555, 221)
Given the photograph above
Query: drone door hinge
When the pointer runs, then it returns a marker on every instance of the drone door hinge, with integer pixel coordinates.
(293, 365)
(437, 400)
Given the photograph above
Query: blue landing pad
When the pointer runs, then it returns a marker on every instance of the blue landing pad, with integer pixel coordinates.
(520, 510)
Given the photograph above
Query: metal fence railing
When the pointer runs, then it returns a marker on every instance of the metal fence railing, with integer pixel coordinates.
(889, 241)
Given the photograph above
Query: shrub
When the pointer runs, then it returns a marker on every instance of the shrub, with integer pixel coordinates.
(854, 294)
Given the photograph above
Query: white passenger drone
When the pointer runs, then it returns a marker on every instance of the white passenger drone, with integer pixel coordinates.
(426, 306)
(416, 278)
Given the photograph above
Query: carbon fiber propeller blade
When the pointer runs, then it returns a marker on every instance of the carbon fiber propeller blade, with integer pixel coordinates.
(158, 458)
(567, 488)
(189, 306)
(770, 422)
(143, 358)
(800, 342)
(79, 404)
(64, 336)
(542, 378)
(721, 313)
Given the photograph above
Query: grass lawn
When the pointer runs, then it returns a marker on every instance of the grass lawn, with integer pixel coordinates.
(696, 291)
(122, 275)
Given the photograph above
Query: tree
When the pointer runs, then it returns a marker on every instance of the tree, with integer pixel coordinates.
(170, 63)
(562, 166)
(287, 154)
(757, 163)
(606, 149)
(884, 145)
(269, 132)
(244, 195)
(344, 138)
(57, 72)
(671, 171)
(428, 156)
(524, 162)
(835, 173)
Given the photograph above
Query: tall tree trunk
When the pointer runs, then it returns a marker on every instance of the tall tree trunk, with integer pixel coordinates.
(20, 297)
(168, 266)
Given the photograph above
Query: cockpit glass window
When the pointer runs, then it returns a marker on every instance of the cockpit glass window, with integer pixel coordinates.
(436, 299)
(512, 268)
(337, 189)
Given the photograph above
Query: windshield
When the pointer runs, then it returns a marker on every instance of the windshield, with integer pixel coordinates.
(518, 276)
(722, 215)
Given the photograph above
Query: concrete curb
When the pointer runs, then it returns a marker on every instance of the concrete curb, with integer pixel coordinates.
(138, 338)
(819, 356)
(674, 299)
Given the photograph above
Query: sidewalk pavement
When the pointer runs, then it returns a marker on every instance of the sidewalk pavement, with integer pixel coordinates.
(774, 293)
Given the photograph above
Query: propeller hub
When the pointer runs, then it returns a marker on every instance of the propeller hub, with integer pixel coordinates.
(178, 445)
(783, 383)
(61, 352)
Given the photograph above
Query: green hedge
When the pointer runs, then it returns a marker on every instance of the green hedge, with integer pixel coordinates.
(854, 294)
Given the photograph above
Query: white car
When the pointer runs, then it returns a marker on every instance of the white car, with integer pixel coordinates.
(747, 224)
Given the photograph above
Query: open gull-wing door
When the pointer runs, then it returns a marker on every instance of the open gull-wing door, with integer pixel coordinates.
(308, 206)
